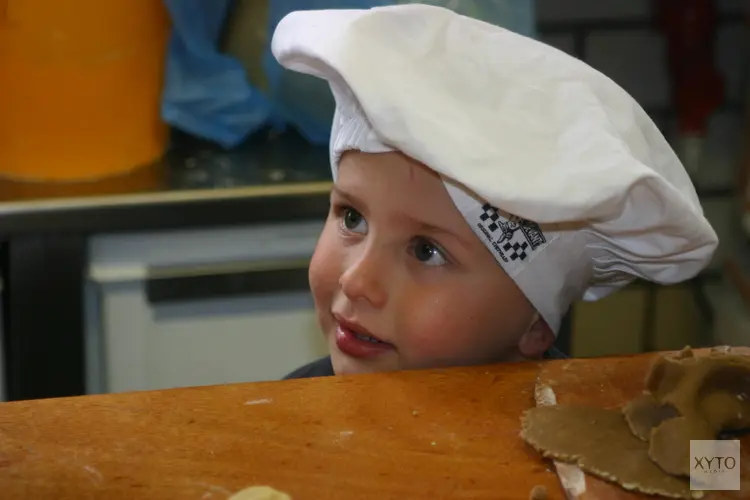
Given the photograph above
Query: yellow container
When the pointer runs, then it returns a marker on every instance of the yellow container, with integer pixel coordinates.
(80, 87)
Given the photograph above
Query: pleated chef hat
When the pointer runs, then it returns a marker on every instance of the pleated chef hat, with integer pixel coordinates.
(559, 172)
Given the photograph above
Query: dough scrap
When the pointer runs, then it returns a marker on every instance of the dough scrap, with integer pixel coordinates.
(575, 434)
(260, 493)
(689, 397)
(644, 446)
(644, 412)
(669, 445)
(538, 492)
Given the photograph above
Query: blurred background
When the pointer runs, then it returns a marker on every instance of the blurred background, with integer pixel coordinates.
(163, 183)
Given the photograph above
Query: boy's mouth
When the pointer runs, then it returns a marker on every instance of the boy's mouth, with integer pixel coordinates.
(367, 338)
(354, 340)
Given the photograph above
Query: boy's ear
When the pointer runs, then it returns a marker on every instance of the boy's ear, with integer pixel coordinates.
(537, 339)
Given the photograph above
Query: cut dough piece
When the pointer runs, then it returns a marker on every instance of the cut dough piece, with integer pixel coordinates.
(600, 442)
(644, 413)
(689, 397)
(645, 446)
(669, 446)
(260, 493)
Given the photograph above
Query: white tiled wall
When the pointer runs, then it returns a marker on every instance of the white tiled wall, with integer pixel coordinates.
(575, 10)
(563, 42)
(635, 60)
(557, 10)
(723, 144)
(731, 42)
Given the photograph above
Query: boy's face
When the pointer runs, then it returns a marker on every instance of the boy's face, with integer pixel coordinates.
(397, 263)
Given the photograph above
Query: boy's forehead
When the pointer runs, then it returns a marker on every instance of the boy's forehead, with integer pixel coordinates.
(395, 176)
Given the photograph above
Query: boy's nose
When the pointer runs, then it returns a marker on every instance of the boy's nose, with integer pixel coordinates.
(363, 278)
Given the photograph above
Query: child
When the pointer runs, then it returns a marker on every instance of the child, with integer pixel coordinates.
(484, 182)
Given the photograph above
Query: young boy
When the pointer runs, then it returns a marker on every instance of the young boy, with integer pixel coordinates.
(484, 182)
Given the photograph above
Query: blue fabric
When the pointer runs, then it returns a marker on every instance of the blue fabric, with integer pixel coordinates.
(302, 100)
(206, 93)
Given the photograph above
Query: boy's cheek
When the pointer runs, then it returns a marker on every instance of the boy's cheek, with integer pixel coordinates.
(455, 335)
(324, 272)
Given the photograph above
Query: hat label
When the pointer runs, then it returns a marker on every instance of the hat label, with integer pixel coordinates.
(513, 238)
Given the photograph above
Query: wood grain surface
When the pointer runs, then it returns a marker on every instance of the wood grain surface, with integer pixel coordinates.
(411, 435)
(610, 383)
(446, 434)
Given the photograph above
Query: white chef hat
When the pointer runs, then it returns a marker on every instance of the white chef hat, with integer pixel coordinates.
(559, 172)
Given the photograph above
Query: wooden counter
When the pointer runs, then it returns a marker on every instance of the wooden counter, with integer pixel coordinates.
(409, 435)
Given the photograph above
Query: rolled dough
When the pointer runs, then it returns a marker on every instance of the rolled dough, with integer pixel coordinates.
(644, 413)
(689, 397)
(576, 434)
(645, 446)
(260, 493)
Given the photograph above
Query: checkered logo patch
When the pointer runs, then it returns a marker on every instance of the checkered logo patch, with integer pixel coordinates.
(516, 251)
(490, 214)
(513, 238)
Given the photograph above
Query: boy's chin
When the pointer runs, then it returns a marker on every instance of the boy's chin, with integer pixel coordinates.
(348, 365)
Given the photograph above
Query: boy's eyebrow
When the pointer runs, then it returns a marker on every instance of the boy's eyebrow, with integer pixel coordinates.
(350, 198)
(422, 226)
(427, 228)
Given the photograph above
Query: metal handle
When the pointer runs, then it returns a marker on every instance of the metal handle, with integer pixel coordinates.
(170, 285)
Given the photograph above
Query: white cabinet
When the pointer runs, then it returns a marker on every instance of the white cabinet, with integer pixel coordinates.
(185, 308)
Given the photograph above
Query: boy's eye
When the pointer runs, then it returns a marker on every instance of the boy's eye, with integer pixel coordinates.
(353, 221)
(427, 253)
